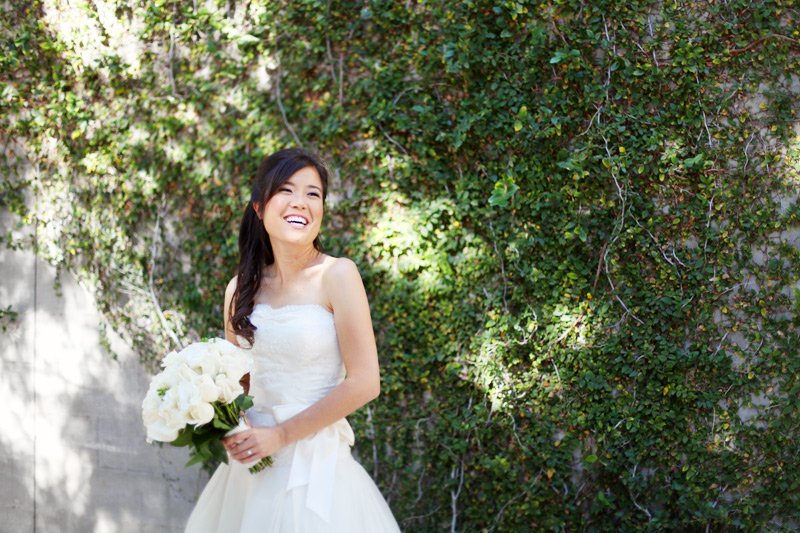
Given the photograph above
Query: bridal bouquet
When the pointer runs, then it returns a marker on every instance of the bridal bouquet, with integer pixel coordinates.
(197, 400)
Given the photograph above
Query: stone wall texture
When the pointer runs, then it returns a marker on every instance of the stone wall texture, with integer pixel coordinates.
(73, 455)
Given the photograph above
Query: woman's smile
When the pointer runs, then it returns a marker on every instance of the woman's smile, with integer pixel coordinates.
(296, 220)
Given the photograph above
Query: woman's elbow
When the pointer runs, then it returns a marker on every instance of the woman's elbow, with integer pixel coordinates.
(372, 389)
(364, 388)
(376, 391)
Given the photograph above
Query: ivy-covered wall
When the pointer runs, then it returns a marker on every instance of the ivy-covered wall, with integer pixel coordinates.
(577, 222)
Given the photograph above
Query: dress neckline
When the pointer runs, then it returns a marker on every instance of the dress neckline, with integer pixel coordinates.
(290, 307)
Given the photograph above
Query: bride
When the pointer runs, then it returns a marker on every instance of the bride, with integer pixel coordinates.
(305, 318)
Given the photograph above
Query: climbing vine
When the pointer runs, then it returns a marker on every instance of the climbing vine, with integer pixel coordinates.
(577, 222)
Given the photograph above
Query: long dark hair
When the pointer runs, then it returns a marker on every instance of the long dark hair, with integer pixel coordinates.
(255, 250)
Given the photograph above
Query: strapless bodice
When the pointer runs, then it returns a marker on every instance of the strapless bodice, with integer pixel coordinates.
(296, 357)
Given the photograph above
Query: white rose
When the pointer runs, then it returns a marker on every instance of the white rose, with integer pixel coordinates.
(209, 391)
(230, 388)
(171, 411)
(190, 403)
(169, 377)
(160, 431)
(201, 356)
(150, 406)
(201, 413)
(234, 365)
(187, 394)
(225, 347)
(158, 396)
(161, 416)
(181, 394)
(171, 359)
(184, 372)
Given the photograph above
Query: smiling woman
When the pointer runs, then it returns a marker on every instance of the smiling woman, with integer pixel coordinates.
(276, 178)
(297, 203)
(304, 317)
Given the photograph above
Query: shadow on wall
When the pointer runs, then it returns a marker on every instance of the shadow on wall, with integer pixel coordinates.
(73, 445)
(17, 418)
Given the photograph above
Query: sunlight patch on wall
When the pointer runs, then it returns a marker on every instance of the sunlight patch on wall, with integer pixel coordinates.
(492, 375)
(86, 35)
(791, 156)
(400, 240)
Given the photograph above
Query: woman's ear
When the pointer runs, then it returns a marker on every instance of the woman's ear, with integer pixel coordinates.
(257, 209)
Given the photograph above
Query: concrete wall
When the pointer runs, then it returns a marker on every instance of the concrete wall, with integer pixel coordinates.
(73, 455)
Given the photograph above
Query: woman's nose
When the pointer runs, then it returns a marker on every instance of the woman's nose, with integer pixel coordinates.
(298, 200)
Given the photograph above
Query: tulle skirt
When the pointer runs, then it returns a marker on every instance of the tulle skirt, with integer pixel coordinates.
(237, 501)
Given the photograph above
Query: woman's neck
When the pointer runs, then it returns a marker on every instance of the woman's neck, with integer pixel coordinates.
(290, 261)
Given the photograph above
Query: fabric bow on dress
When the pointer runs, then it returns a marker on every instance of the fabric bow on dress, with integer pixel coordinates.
(315, 458)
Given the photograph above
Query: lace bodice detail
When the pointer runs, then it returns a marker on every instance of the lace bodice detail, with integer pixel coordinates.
(296, 357)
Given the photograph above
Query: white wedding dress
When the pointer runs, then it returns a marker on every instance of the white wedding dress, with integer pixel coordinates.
(314, 485)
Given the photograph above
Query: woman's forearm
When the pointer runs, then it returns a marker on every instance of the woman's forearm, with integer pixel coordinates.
(350, 395)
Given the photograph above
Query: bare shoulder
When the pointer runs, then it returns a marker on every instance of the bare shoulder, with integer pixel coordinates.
(228, 311)
(341, 281)
(339, 270)
(230, 289)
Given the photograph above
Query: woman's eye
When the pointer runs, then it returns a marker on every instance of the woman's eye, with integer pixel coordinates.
(314, 194)
(284, 189)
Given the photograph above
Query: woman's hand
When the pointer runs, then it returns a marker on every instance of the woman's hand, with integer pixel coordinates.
(253, 444)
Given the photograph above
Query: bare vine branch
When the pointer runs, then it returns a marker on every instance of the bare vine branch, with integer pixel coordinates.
(762, 39)
(280, 105)
(455, 494)
(371, 435)
(151, 286)
(391, 140)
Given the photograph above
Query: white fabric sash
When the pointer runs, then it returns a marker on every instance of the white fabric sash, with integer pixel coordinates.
(315, 457)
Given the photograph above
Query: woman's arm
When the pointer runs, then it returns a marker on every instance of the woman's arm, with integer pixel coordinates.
(229, 334)
(344, 289)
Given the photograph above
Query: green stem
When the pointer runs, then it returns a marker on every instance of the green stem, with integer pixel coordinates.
(226, 413)
(261, 465)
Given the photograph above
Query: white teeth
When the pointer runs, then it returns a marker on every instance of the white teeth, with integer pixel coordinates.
(296, 220)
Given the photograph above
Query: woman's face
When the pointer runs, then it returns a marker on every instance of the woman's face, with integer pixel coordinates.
(294, 213)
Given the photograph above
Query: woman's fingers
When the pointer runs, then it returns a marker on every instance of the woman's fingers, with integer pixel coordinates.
(246, 455)
(234, 440)
(234, 444)
(244, 451)
(246, 446)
